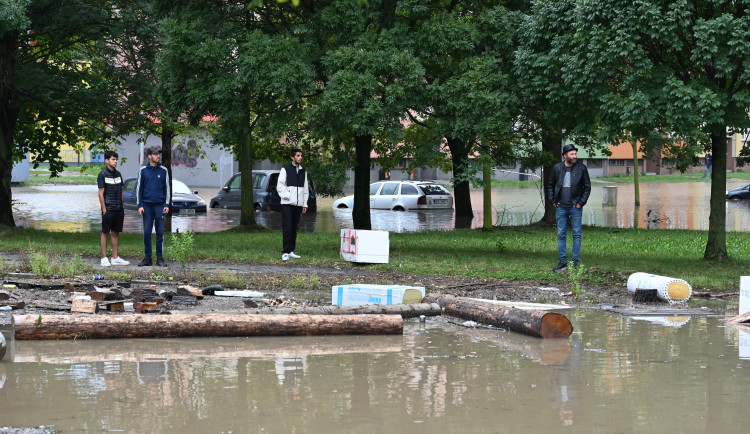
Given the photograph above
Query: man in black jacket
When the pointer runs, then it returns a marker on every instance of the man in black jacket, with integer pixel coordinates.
(568, 189)
(294, 192)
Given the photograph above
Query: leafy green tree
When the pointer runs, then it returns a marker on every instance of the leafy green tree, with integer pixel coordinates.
(367, 82)
(52, 87)
(676, 66)
(237, 62)
(467, 101)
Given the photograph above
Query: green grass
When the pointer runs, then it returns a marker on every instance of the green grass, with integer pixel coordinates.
(71, 175)
(677, 177)
(536, 183)
(609, 255)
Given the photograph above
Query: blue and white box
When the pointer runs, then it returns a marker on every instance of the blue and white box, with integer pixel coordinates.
(353, 295)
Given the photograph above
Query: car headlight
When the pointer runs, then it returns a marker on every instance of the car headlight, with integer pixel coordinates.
(201, 202)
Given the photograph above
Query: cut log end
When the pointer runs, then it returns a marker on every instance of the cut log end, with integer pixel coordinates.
(555, 325)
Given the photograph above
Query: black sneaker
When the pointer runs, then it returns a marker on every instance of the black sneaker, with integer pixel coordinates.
(160, 262)
(575, 265)
(561, 266)
(146, 262)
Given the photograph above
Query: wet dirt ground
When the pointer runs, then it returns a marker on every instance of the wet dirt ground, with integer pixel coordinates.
(289, 286)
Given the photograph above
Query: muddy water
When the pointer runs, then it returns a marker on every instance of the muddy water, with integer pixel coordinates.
(663, 206)
(615, 374)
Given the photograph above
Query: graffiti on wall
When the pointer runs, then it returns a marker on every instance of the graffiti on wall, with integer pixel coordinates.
(185, 155)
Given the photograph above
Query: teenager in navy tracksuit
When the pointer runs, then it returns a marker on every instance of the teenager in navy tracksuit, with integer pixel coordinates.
(153, 196)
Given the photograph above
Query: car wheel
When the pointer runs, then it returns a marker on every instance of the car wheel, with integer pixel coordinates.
(734, 197)
(398, 208)
(342, 206)
(214, 204)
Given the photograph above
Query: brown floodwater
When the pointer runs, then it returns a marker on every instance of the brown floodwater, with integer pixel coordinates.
(615, 374)
(74, 208)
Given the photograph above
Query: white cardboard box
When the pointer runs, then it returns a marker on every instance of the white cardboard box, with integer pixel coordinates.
(352, 295)
(369, 247)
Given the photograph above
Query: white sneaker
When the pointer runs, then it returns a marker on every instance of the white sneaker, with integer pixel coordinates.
(285, 257)
(119, 261)
(105, 262)
(294, 255)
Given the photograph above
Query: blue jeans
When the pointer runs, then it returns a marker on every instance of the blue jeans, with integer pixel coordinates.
(576, 216)
(153, 217)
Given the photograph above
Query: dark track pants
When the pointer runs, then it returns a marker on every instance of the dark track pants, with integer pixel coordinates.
(290, 215)
(153, 218)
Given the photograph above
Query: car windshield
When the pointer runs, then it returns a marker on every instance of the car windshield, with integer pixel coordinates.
(430, 189)
(179, 187)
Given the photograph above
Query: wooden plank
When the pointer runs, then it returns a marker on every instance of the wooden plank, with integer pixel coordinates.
(662, 312)
(524, 305)
(744, 318)
(85, 306)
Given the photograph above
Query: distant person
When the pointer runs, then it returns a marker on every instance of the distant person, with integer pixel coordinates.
(113, 213)
(568, 190)
(152, 190)
(709, 164)
(293, 190)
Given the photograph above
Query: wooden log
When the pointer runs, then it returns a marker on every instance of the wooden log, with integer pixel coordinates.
(31, 327)
(537, 323)
(411, 310)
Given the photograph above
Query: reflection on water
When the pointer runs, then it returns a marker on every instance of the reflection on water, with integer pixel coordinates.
(614, 374)
(663, 206)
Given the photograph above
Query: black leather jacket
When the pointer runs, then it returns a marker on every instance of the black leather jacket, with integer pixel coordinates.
(580, 184)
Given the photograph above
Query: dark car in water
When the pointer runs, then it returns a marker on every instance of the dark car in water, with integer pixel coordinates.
(739, 193)
(183, 198)
(265, 197)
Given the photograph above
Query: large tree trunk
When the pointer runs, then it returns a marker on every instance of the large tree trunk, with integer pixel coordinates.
(166, 161)
(361, 211)
(8, 119)
(461, 187)
(636, 185)
(716, 246)
(551, 143)
(538, 323)
(247, 157)
(32, 327)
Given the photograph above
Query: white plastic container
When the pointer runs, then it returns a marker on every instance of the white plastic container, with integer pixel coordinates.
(744, 295)
(667, 288)
(353, 295)
(369, 247)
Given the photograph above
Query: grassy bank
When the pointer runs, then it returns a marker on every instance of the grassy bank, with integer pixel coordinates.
(609, 255)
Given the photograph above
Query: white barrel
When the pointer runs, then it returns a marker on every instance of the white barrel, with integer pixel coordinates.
(667, 288)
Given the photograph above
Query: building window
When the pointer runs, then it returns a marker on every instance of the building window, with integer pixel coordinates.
(617, 162)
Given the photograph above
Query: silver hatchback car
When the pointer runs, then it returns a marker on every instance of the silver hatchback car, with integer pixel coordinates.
(403, 196)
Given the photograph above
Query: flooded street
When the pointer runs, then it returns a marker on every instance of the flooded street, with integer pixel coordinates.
(614, 374)
(75, 208)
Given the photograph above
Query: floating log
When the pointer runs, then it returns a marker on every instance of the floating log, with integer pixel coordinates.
(537, 323)
(411, 310)
(30, 327)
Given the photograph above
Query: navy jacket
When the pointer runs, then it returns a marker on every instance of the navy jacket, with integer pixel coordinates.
(580, 184)
(153, 185)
